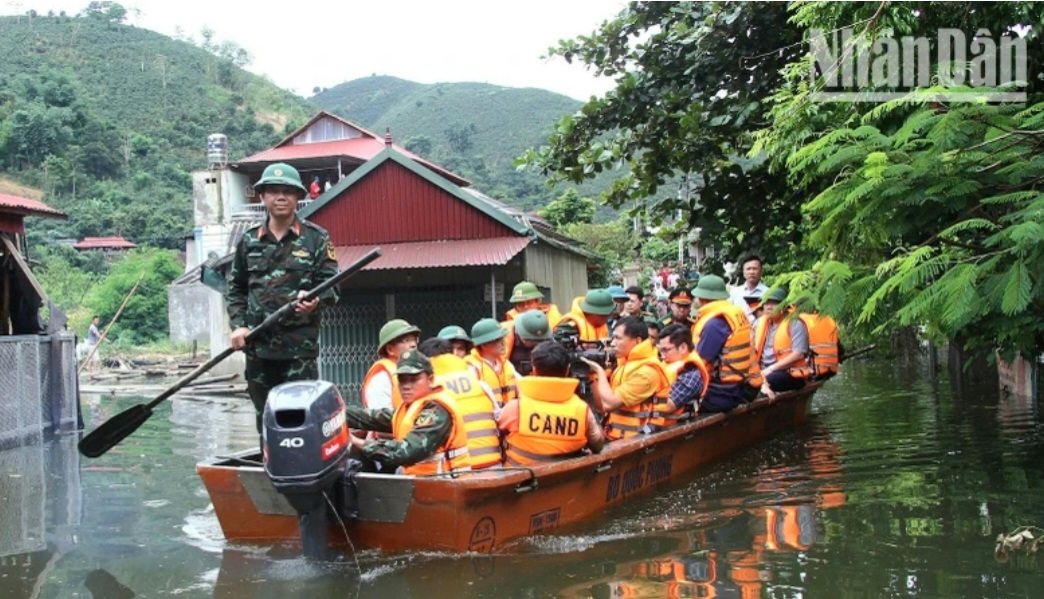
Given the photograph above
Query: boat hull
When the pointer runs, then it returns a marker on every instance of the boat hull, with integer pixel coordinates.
(485, 511)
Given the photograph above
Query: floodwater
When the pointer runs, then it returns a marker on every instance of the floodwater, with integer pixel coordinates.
(898, 487)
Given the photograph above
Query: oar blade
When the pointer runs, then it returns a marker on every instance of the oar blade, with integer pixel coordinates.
(114, 430)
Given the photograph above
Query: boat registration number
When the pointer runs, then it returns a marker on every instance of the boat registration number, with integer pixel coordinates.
(638, 477)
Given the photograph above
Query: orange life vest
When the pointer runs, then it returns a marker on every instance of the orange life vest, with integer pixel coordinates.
(731, 366)
(451, 456)
(588, 332)
(475, 408)
(782, 346)
(629, 421)
(823, 343)
(503, 383)
(673, 369)
(552, 421)
(382, 365)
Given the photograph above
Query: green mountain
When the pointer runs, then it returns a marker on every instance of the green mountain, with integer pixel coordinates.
(109, 120)
(474, 129)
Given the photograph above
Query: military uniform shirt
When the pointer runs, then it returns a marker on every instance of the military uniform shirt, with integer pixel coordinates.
(267, 273)
(432, 429)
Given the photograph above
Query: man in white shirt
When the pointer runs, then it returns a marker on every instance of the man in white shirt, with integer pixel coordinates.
(751, 287)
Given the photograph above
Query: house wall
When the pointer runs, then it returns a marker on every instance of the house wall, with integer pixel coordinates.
(392, 205)
(565, 273)
(187, 305)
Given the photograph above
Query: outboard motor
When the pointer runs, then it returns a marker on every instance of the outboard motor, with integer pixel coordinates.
(305, 447)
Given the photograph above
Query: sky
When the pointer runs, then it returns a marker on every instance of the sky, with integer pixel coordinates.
(302, 44)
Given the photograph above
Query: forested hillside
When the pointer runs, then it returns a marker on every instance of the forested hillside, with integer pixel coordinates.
(109, 120)
(474, 129)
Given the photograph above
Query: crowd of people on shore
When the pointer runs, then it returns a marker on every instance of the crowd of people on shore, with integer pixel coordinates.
(540, 385)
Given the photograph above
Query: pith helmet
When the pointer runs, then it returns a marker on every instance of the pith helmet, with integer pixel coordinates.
(413, 362)
(486, 331)
(777, 294)
(711, 287)
(680, 296)
(524, 292)
(599, 302)
(533, 326)
(454, 333)
(392, 330)
(617, 292)
(281, 173)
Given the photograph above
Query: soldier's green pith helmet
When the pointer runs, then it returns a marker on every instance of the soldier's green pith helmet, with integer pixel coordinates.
(599, 302)
(281, 173)
(776, 294)
(524, 292)
(710, 287)
(533, 326)
(454, 333)
(392, 330)
(486, 331)
(413, 362)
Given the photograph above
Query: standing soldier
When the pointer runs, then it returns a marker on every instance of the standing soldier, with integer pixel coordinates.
(681, 308)
(274, 263)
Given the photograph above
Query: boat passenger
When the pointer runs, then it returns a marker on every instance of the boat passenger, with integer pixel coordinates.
(780, 342)
(458, 338)
(527, 331)
(488, 362)
(639, 384)
(722, 337)
(428, 432)
(274, 262)
(588, 319)
(686, 371)
(681, 308)
(548, 422)
(476, 402)
(526, 296)
(655, 328)
(379, 389)
(825, 349)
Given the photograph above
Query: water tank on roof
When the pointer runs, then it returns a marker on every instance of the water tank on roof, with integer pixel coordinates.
(217, 150)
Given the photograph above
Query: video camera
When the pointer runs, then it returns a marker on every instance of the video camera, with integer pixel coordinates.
(569, 338)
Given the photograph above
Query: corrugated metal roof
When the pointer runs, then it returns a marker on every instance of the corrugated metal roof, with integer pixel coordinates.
(436, 254)
(89, 243)
(28, 207)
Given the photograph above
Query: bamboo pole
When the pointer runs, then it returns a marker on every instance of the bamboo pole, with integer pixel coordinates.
(111, 322)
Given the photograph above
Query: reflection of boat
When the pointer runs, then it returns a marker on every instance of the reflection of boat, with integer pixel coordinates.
(483, 511)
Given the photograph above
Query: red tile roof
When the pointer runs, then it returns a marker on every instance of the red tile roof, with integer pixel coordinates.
(93, 243)
(436, 254)
(28, 207)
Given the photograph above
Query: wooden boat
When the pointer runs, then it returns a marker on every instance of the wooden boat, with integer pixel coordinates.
(484, 511)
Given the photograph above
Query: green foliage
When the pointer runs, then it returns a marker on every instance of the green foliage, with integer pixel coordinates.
(612, 242)
(691, 78)
(569, 208)
(924, 213)
(144, 318)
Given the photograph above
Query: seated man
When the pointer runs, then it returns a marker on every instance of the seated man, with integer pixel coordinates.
(548, 422)
(428, 433)
(379, 389)
(476, 402)
(780, 348)
(526, 296)
(686, 371)
(527, 331)
(458, 338)
(722, 337)
(488, 362)
(637, 397)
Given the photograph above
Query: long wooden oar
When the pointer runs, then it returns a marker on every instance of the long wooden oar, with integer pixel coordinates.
(120, 426)
(111, 322)
(858, 352)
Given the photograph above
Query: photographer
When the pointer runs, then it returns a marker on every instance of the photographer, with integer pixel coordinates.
(639, 382)
(548, 422)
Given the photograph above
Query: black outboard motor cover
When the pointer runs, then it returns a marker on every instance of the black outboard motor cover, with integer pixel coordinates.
(304, 440)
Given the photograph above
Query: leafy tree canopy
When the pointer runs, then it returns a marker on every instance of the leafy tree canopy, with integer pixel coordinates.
(569, 208)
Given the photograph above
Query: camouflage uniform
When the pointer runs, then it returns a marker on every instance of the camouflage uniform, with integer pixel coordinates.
(266, 274)
(432, 429)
